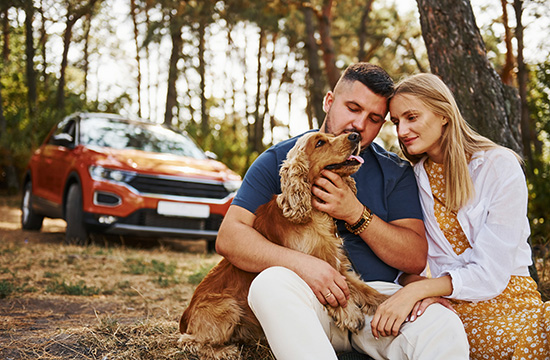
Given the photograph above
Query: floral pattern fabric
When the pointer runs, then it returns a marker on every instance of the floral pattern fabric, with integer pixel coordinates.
(513, 325)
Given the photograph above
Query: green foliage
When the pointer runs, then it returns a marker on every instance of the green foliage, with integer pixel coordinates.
(198, 275)
(78, 289)
(393, 41)
(539, 184)
(136, 266)
(155, 267)
(6, 289)
(226, 139)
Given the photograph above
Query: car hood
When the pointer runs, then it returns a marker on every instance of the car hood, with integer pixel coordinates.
(161, 164)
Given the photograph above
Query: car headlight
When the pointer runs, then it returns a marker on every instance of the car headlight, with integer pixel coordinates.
(232, 186)
(101, 174)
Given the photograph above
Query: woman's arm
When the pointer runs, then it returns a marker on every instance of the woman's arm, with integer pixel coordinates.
(406, 303)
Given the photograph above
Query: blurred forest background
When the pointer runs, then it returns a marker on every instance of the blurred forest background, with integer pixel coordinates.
(239, 75)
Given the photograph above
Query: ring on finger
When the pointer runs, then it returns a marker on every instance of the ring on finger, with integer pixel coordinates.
(328, 295)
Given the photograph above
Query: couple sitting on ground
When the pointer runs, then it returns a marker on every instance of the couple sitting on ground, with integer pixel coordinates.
(461, 208)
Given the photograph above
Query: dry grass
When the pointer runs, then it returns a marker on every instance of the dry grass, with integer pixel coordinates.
(107, 301)
(69, 302)
(111, 300)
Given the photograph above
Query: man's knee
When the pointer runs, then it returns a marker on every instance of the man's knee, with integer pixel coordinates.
(270, 285)
(436, 321)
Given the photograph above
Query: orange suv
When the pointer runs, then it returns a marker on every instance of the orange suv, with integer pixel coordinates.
(107, 174)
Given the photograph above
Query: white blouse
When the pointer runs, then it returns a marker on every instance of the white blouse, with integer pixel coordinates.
(495, 223)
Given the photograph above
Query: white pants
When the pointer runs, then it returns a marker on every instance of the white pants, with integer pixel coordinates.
(298, 327)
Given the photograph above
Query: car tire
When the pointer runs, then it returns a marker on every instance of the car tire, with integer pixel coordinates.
(211, 246)
(76, 232)
(30, 220)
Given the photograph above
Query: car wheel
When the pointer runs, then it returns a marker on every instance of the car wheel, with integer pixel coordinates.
(211, 246)
(76, 232)
(29, 219)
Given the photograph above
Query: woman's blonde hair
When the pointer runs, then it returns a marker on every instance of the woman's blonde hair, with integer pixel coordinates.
(458, 141)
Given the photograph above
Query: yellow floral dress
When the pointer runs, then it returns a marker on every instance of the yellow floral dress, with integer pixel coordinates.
(513, 325)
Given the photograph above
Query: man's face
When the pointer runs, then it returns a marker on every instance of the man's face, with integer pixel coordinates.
(354, 108)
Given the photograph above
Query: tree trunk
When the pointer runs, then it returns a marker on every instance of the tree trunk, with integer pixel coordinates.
(362, 31)
(247, 114)
(42, 41)
(86, 55)
(6, 36)
(150, 93)
(267, 116)
(527, 130)
(133, 13)
(72, 17)
(315, 82)
(258, 118)
(457, 53)
(60, 100)
(327, 45)
(507, 72)
(29, 52)
(205, 126)
(171, 94)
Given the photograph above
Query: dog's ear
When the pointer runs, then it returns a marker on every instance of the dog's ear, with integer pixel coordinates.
(295, 199)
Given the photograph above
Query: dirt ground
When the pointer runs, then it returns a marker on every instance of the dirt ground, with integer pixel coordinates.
(115, 299)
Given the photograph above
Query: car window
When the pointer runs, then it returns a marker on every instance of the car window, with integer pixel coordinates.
(120, 134)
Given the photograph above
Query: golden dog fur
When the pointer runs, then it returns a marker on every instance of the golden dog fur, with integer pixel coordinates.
(218, 316)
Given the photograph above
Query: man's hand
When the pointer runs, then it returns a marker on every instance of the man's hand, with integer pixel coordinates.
(327, 283)
(337, 199)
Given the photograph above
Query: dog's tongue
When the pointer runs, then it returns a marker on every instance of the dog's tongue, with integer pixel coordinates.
(357, 158)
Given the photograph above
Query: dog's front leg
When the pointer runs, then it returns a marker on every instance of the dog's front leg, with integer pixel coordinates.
(362, 295)
(349, 318)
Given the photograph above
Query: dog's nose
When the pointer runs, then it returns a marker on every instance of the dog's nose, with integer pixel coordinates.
(354, 137)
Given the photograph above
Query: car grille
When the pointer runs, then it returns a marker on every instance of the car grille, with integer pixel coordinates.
(178, 187)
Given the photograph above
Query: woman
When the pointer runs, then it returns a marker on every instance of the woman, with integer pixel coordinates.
(474, 200)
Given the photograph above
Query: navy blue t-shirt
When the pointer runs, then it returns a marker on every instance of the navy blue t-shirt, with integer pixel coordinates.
(385, 184)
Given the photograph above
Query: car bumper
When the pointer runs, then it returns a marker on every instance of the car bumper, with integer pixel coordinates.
(147, 223)
(140, 230)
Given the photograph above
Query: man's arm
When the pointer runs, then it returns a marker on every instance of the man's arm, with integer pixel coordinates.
(400, 244)
(248, 250)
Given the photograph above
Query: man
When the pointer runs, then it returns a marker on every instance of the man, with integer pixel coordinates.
(289, 295)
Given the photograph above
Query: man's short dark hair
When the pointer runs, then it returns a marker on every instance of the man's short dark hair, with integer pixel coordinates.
(372, 76)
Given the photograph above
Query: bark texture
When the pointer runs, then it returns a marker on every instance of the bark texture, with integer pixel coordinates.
(457, 54)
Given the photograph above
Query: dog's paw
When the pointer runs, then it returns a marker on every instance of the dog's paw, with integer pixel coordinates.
(369, 305)
(206, 351)
(349, 318)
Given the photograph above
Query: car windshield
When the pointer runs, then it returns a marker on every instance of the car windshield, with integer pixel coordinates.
(120, 134)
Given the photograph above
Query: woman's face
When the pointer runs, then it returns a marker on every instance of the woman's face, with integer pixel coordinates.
(418, 129)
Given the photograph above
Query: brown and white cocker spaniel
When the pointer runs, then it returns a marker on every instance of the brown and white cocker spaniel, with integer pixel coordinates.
(218, 316)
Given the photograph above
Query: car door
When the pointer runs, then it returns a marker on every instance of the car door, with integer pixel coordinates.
(57, 159)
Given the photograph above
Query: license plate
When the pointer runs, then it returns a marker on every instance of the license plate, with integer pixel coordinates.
(170, 208)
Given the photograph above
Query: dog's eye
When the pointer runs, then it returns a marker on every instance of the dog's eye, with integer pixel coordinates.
(320, 143)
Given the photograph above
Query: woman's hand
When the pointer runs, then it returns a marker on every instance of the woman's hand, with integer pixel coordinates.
(408, 303)
(392, 313)
(422, 305)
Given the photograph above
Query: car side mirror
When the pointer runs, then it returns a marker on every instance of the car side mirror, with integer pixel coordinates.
(64, 139)
(211, 155)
